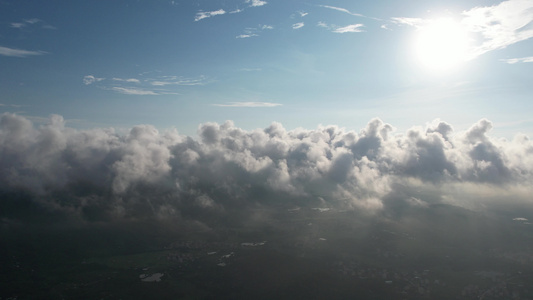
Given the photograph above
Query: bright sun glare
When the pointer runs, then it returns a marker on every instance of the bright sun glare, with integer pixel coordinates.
(441, 45)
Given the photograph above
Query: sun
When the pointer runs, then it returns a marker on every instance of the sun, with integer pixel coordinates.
(441, 45)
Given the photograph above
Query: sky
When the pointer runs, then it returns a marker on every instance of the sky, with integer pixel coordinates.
(179, 64)
(198, 109)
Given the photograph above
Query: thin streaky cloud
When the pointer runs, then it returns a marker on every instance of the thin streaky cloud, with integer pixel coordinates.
(298, 25)
(350, 28)
(342, 10)
(12, 105)
(245, 36)
(131, 80)
(174, 80)
(252, 31)
(207, 14)
(49, 27)
(17, 25)
(518, 60)
(5, 51)
(32, 21)
(249, 104)
(134, 91)
(415, 22)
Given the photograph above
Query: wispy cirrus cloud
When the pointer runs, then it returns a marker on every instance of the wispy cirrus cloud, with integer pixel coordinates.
(132, 80)
(254, 31)
(350, 28)
(134, 91)
(415, 22)
(11, 105)
(90, 79)
(177, 80)
(344, 10)
(255, 3)
(249, 104)
(207, 14)
(26, 23)
(17, 25)
(344, 29)
(13, 52)
(246, 35)
(518, 60)
(298, 25)
(159, 85)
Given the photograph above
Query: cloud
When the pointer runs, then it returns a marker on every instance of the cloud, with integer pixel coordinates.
(252, 31)
(337, 29)
(489, 27)
(145, 86)
(207, 14)
(90, 79)
(19, 52)
(132, 80)
(17, 25)
(408, 21)
(26, 23)
(32, 21)
(322, 24)
(249, 104)
(500, 25)
(298, 25)
(147, 173)
(133, 91)
(344, 10)
(254, 3)
(11, 105)
(244, 36)
(178, 80)
(518, 60)
(350, 28)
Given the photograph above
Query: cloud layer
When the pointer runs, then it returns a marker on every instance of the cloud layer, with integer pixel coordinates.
(5, 51)
(101, 175)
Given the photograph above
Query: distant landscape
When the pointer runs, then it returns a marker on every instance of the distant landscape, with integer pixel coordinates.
(442, 253)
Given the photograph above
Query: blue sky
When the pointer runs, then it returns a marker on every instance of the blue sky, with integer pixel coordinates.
(301, 63)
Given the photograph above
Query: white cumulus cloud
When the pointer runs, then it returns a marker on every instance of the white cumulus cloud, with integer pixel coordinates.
(227, 167)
